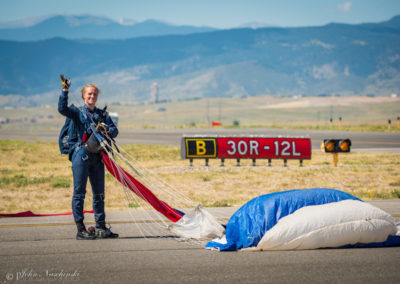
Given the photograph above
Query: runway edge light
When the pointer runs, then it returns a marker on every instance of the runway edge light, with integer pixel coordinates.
(336, 146)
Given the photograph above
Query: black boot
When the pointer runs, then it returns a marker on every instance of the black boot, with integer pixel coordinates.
(83, 234)
(102, 232)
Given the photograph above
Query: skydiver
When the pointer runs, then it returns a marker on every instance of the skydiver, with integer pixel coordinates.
(87, 164)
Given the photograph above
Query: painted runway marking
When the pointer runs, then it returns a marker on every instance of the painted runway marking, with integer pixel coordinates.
(92, 223)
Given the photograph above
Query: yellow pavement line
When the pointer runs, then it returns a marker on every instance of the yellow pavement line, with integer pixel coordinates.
(89, 223)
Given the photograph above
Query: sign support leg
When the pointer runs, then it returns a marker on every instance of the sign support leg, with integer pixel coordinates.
(335, 159)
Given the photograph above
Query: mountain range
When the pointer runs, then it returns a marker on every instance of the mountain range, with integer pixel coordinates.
(335, 59)
(90, 27)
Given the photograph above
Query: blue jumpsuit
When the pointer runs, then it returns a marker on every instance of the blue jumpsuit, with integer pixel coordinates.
(84, 164)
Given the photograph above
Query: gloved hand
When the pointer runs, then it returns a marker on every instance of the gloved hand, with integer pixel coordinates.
(66, 83)
(102, 128)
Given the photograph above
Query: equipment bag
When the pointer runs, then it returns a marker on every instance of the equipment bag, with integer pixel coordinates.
(68, 137)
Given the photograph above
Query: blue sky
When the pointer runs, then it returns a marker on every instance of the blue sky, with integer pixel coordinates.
(215, 13)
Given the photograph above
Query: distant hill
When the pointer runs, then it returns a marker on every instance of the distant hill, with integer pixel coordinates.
(90, 27)
(331, 59)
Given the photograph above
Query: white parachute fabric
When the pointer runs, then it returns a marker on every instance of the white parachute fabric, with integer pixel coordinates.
(329, 225)
(197, 224)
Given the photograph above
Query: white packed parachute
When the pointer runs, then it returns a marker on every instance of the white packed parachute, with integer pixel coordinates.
(330, 225)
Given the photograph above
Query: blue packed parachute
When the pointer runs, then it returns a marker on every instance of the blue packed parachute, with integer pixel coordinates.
(314, 224)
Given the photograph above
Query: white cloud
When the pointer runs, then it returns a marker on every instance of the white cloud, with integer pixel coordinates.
(325, 71)
(346, 71)
(317, 42)
(360, 42)
(345, 7)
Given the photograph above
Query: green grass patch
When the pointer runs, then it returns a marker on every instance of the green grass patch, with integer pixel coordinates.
(395, 183)
(223, 203)
(133, 205)
(61, 182)
(396, 193)
(21, 180)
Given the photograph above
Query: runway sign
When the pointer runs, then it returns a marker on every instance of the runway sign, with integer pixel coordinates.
(240, 147)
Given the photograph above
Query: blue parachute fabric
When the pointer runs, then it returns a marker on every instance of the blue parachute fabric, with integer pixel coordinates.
(249, 223)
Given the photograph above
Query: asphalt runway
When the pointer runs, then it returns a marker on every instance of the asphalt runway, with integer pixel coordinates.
(361, 141)
(43, 249)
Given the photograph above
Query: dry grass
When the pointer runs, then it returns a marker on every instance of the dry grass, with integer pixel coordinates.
(34, 176)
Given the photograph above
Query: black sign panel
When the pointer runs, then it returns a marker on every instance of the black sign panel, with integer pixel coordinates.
(201, 147)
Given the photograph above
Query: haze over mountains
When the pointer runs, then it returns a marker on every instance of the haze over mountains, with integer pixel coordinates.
(188, 62)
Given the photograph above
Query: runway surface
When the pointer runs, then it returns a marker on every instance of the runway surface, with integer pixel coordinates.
(361, 141)
(43, 249)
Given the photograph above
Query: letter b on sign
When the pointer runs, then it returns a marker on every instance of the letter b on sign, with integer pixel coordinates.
(201, 148)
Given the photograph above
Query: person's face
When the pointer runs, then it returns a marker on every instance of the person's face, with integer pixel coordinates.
(90, 97)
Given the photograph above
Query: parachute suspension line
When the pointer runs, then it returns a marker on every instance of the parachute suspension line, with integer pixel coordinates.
(130, 196)
(162, 185)
(142, 192)
(127, 162)
(154, 182)
(167, 190)
(133, 199)
(148, 229)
